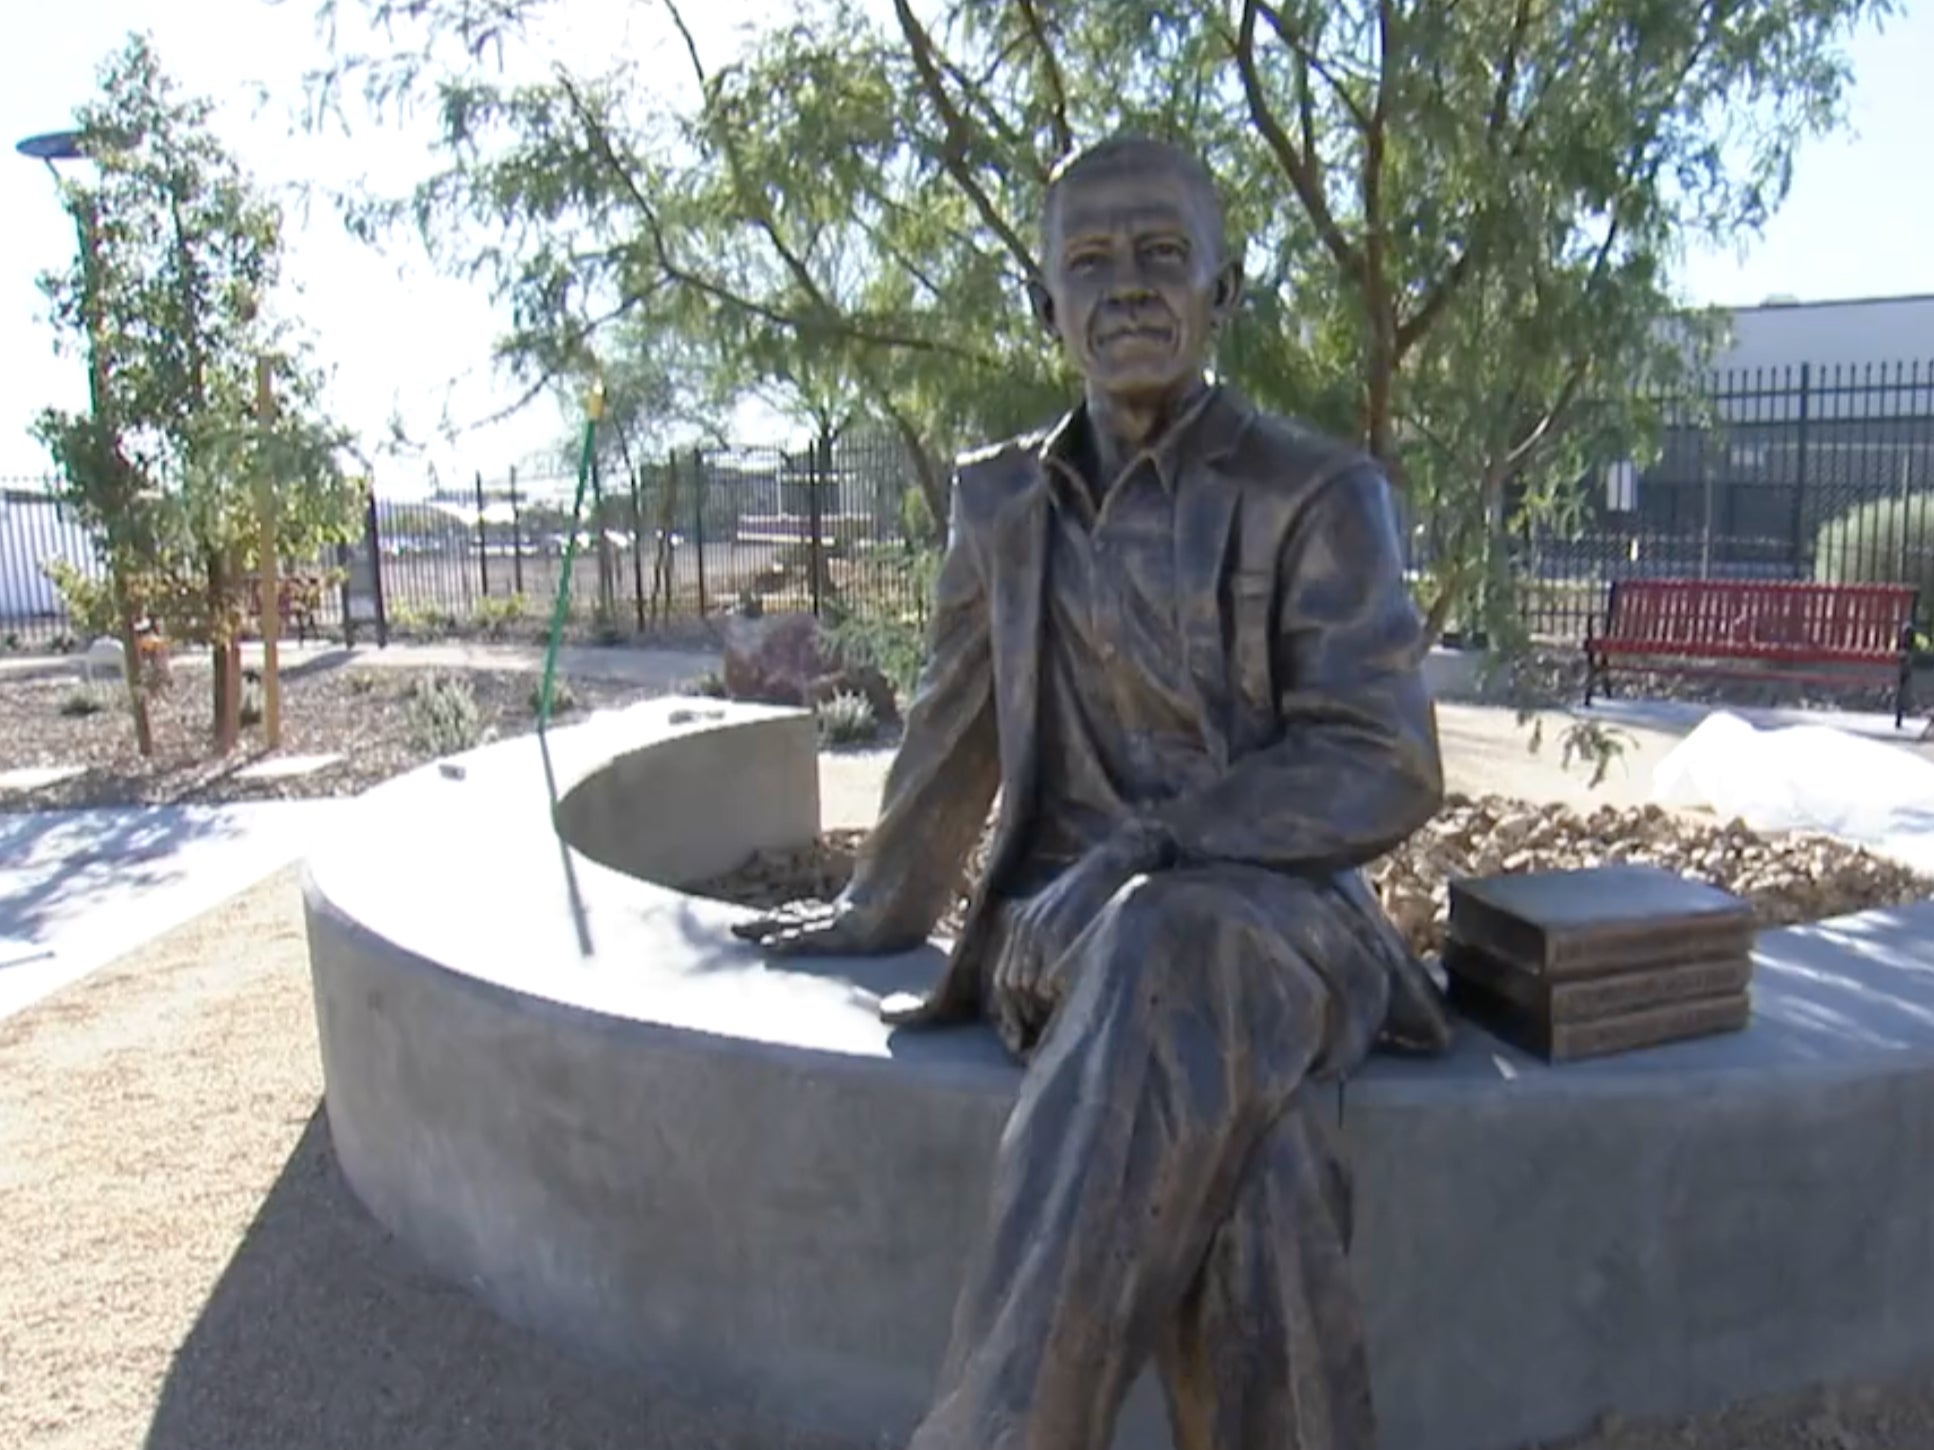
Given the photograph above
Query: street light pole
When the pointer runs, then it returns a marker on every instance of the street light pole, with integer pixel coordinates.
(47, 148)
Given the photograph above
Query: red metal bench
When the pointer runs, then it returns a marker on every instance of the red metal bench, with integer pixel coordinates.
(1704, 626)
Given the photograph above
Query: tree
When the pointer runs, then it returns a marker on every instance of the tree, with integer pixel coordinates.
(1460, 220)
(172, 292)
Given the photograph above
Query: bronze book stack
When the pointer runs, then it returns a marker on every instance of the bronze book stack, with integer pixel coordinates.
(1573, 964)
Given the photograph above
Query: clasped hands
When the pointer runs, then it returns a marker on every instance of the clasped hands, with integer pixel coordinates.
(1029, 979)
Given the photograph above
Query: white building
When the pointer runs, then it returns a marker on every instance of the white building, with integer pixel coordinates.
(1853, 334)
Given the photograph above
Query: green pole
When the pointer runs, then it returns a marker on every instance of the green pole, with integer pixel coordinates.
(594, 408)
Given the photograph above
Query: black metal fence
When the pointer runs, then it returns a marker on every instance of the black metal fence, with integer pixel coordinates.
(670, 538)
(1795, 473)
(679, 536)
(1806, 472)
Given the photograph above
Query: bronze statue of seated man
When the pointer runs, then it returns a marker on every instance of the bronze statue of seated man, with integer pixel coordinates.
(1173, 633)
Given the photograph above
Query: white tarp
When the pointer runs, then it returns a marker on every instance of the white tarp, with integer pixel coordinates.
(1806, 778)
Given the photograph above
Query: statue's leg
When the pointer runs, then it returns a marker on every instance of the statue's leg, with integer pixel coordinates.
(1200, 1002)
(1266, 1353)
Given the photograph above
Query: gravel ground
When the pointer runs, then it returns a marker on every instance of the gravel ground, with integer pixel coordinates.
(186, 1269)
(1789, 878)
(360, 714)
(189, 1271)
(1557, 676)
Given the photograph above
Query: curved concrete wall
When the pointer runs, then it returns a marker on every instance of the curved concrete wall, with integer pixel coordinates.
(572, 1091)
(696, 803)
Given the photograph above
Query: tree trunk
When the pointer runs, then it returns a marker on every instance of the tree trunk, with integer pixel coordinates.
(1437, 618)
(931, 479)
(216, 609)
(131, 668)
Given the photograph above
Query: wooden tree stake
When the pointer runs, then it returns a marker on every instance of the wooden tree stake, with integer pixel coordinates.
(271, 601)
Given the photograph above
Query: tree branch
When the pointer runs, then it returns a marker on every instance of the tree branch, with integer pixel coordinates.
(990, 115)
(830, 324)
(1575, 379)
(691, 46)
(1057, 92)
(1296, 165)
(1438, 296)
(1308, 55)
(761, 215)
(954, 149)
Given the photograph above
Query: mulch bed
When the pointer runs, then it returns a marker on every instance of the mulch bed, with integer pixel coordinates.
(359, 713)
(1789, 878)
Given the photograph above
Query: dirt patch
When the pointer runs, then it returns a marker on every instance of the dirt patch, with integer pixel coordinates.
(363, 715)
(1789, 878)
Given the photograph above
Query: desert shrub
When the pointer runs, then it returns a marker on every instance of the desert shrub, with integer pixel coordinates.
(1883, 541)
(846, 719)
(892, 641)
(82, 701)
(443, 715)
(420, 622)
(88, 601)
(563, 698)
(499, 615)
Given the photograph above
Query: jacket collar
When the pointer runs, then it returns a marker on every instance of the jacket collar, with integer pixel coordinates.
(1208, 431)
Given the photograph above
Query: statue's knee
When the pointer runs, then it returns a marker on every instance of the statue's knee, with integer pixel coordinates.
(1164, 922)
(1152, 904)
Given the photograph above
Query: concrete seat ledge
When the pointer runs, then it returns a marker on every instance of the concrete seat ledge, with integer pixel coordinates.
(558, 1078)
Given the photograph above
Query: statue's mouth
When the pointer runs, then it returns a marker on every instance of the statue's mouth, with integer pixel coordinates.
(1143, 334)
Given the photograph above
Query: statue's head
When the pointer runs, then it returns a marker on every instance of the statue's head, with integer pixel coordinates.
(1135, 273)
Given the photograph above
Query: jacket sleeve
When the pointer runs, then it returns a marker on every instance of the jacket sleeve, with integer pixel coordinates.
(947, 769)
(1354, 767)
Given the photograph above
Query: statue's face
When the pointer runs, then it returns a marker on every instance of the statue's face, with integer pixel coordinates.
(1135, 283)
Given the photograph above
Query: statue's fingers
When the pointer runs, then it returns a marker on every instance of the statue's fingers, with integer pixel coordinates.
(1010, 1023)
(784, 942)
(821, 938)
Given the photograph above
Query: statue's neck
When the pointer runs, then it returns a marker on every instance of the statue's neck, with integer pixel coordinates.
(1120, 428)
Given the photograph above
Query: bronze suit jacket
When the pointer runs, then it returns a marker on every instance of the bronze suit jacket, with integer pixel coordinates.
(1302, 639)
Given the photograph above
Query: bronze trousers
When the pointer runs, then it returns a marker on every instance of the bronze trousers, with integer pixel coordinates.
(1167, 1186)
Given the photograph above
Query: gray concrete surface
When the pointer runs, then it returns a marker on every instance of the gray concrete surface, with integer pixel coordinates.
(573, 1091)
(80, 888)
(655, 668)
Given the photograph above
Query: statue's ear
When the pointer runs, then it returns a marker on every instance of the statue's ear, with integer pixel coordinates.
(1041, 303)
(1228, 289)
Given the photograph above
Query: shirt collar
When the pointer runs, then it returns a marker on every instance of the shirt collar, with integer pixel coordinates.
(1208, 429)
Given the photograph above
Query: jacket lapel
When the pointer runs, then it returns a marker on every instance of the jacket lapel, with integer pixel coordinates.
(1018, 547)
(1206, 510)
(1020, 553)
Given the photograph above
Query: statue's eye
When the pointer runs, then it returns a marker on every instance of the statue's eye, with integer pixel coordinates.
(1086, 260)
(1166, 249)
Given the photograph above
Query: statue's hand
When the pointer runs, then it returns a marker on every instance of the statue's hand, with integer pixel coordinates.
(821, 929)
(1028, 984)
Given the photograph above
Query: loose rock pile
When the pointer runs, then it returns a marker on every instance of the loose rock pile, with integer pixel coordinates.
(1788, 878)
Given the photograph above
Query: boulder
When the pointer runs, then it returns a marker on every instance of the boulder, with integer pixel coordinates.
(788, 659)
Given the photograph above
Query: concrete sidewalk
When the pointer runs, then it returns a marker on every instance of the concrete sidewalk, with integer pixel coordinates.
(81, 888)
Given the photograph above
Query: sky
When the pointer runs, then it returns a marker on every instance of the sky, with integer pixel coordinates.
(403, 342)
